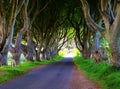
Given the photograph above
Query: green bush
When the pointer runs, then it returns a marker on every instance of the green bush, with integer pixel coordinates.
(107, 76)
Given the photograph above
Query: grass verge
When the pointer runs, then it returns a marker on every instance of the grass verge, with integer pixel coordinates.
(107, 76)
(8, 73)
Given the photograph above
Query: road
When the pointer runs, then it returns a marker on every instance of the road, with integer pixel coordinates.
(53, 76)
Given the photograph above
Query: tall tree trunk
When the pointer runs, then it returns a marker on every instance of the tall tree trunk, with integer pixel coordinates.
(96, 46)
(2, 39)
(8, 43)
(16, 53)
(14, 12)
(38, 51)
(84, 53)
(30, 46)
(112, 31)
(4, 52)
(43, 54)
(112, 27)
(24, 50)
(86, 50)
(2, 32)
(114, 43)
(38, 55)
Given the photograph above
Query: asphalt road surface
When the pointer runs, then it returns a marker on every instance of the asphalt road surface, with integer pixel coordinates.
(53, 76)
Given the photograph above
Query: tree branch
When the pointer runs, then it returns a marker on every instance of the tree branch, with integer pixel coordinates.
(107, 12)
(88, 18)
(19, 7)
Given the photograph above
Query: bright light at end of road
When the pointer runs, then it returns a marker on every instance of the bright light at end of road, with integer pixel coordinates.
(70, 54)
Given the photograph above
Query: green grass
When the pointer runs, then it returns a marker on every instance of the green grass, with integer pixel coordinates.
(107, 76)
(7, 72)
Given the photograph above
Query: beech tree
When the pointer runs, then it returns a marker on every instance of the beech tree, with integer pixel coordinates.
(111, 31)
(34, 9)
(16, 50)
(83, 37)
(8, 13)
(46, 30)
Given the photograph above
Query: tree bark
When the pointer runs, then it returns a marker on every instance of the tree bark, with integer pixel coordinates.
(38, 55)
(112, 27)
(24, 49)
(16, 52)
(14, 12)
(114, 40)
(30, 46)
(38, 51)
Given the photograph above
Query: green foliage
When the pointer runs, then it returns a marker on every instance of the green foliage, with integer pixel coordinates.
(75, 52)
(8, 72)
(107, 76)
(71, 33)
(63, 52)
(104, 44)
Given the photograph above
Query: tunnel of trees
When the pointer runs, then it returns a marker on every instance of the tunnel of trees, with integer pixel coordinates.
(42, 27)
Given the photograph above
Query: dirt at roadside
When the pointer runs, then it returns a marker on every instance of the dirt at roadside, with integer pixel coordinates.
(80, 81)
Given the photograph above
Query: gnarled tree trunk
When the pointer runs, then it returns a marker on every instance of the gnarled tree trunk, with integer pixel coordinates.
(16, 51)
(112, 27)
(30, 47)
(112, 34)
(114, 42)
(5, 47)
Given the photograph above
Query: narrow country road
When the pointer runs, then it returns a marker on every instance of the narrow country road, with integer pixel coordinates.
(54, 76)
(58, 75)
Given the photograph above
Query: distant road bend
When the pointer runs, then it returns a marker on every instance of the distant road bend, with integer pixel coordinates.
(53, 76)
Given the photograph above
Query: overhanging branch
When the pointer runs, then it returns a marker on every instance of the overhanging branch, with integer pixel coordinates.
(88, 18)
